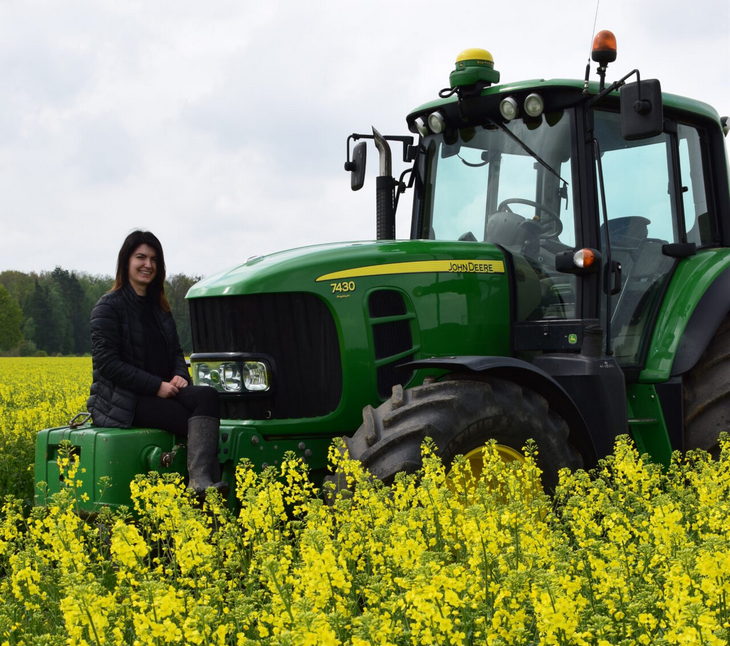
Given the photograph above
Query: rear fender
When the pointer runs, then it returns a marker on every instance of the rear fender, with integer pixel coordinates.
(529, 376)
(695, 302)
(710, 312)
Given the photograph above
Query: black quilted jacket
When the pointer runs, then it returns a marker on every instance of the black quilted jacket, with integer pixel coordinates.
(117, 350)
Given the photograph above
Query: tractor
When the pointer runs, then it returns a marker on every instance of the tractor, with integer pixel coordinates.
(566, 280)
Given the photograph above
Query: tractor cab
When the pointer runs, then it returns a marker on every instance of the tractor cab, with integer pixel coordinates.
(609, 203)
(593, 192)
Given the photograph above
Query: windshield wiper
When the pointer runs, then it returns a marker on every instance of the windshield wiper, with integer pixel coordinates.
(529, 151)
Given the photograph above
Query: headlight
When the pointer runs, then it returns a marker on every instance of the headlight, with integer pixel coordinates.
(231, 373)
(534, 105)
(508, 108)
(421, 127)
(231, 377)
(436, 122)
(256, 376)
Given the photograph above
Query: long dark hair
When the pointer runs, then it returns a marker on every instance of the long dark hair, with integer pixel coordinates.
(130, 244)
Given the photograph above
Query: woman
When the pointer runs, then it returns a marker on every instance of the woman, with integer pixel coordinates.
(140, 374)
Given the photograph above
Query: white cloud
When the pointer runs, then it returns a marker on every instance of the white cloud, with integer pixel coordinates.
(222, 126)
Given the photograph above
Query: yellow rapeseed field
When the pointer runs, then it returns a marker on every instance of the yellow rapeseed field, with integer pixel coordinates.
(628, 554)
(35, 393)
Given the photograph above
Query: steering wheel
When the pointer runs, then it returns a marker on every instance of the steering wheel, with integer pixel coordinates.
(551, 228)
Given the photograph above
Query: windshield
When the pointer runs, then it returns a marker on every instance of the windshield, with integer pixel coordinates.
(484, 171)
(509, 185)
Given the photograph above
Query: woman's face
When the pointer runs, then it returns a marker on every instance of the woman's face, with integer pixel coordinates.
(142, 268)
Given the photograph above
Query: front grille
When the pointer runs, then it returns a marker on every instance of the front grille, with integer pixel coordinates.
(296, 330)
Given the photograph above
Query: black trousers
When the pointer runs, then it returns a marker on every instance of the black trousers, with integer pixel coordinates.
(172, 414)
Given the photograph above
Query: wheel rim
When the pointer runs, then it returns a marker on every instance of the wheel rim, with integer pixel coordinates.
(526, 486)
(476, 461)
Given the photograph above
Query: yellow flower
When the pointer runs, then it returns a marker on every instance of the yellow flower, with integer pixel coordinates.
(127, 545)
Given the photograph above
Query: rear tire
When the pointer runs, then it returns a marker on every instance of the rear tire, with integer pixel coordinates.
(460, 416)
(707, 394)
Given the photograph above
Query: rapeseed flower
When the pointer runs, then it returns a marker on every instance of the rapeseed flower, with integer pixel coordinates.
(628, 554)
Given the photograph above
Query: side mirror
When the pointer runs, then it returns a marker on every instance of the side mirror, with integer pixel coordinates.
(357, 166)
(642, 113)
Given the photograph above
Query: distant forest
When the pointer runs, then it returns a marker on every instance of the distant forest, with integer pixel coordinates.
(48, 313)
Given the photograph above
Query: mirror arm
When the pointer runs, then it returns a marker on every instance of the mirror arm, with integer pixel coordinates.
(613, 87)
(348, 162)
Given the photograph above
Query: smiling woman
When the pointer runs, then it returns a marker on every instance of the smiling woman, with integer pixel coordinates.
(140, 375)
(142, 268)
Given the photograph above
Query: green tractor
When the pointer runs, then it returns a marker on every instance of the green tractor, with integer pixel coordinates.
(566, 280)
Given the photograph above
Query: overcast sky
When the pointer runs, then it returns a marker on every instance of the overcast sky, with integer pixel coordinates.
(221, 125)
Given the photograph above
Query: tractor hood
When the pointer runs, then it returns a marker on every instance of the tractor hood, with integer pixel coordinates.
(307, 268)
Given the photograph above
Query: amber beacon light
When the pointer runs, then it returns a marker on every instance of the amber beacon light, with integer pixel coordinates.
(604, 47)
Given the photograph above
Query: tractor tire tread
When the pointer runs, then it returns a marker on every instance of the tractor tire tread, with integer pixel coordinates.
(459, 413)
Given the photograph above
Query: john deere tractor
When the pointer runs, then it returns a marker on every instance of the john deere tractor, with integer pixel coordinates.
(566, 280)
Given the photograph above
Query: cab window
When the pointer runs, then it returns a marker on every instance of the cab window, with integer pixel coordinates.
(642, 216)
(698, 223)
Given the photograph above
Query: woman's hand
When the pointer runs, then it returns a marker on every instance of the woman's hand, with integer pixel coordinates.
(178, 381)
(167, 389)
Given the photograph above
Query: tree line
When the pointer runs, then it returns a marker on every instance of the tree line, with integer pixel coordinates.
(47, 313)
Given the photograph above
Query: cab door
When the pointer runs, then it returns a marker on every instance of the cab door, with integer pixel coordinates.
(655, 204)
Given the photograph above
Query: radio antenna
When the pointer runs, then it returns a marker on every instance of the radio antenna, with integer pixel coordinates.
(593, 32)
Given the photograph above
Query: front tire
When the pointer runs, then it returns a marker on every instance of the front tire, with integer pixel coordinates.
(460, 415)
